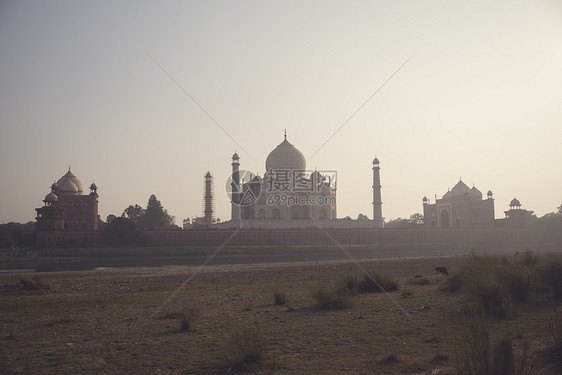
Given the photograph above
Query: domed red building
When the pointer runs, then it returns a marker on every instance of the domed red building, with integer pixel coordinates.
(67, 209)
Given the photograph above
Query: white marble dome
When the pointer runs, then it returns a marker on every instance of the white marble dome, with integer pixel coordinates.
(285, 157)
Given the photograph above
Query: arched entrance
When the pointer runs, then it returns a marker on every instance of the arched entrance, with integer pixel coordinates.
(444, 219)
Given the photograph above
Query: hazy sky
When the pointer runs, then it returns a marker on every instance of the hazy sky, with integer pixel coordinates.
(481, 99)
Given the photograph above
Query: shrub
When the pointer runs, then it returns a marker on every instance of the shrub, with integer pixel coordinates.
(454, 283)
(493, 283)
(504, 360)
(377, 280)
(529, 258)
(350, 282)
(477, 357)
(187, 319)
(392, 358)
(490, 297)
(334, 298)
(246, 347)
(372, 282)
(474, 358)
(515, 281)
(27, 284)
(550, 273)
(555, 329)
(279, 297)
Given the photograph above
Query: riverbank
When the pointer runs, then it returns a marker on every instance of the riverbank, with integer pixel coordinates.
(118, 320)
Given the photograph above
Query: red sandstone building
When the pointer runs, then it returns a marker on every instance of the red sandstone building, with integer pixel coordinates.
(67, 209)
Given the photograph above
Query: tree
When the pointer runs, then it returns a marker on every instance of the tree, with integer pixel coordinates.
(153, 217)
(110, 218)
(560, 209)
(123, 231)
(397, 223)
(156, 217)
(416, 219)
(134, 213)
(18, 234)
(547, 229)
(362, 217)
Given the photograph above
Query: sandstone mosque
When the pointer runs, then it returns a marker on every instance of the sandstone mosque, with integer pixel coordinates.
(289, 205)
(460, 207)
(67, 210)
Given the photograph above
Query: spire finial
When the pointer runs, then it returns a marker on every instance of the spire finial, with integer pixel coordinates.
(285, 133)
(69, 167)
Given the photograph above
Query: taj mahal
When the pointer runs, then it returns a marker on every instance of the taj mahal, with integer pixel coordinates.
(290, 196)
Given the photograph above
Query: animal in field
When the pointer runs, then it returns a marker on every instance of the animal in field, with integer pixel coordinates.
(442, 270)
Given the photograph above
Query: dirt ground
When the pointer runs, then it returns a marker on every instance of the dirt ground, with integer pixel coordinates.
(121, 320)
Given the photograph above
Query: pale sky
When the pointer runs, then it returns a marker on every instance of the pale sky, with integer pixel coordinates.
(481, 99)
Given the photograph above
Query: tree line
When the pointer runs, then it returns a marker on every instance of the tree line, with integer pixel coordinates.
(127, 229)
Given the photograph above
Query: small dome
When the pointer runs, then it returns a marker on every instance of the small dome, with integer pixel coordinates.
(285, 157)
(515, 203)
(235, 156)
(424, 199)
(376, 160)
(93, 186)
(208, 175)
(474, 192)
(489, 193)
(51, 197)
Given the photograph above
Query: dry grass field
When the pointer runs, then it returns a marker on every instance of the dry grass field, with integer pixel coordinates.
(227, 319)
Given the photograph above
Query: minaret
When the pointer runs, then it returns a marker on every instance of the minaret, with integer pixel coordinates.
(377, 202)
(93, 221)
(236, 193)
(208, 200)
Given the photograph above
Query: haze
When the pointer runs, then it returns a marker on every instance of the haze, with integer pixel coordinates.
(480, 99)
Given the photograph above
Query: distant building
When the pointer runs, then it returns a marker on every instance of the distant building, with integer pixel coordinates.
(459, 207)
(286, 192)
(67, 209)
(290, 196)
(517, 216)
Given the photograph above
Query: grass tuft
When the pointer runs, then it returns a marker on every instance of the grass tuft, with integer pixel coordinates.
(246, 348)
(371, 283)
(479, 356)
(440, 359)
(279, 297)
(334, 298)
(550, 273)
(187, 319)
(28, 284)
(529, 258)
(388, 360)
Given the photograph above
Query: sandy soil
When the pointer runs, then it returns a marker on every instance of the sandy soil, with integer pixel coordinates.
(113, 320)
